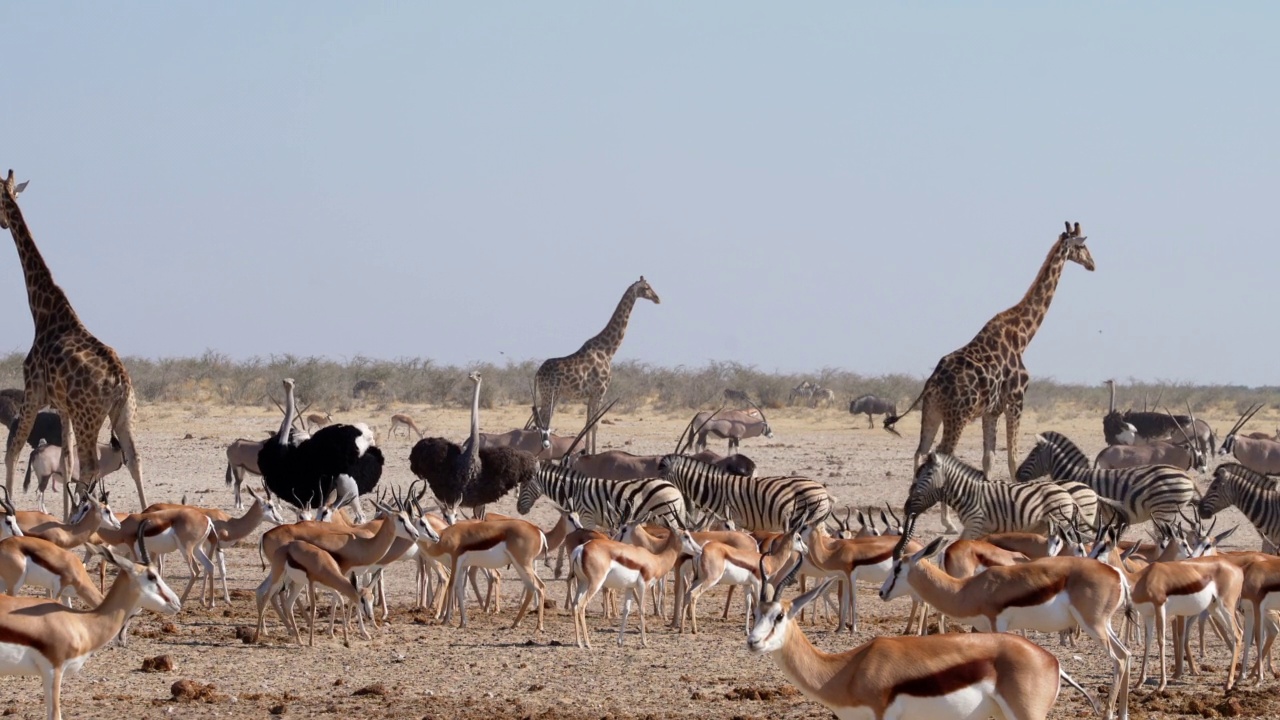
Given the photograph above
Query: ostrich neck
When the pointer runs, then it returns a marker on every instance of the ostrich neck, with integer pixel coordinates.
(609, 339)
(47, 301)
(283, 436)
(472, 449)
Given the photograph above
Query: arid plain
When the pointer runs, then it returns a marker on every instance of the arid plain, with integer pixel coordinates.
(416, 668)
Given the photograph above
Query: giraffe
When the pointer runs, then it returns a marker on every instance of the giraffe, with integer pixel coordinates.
(585, 374)
(68, 368)
(986, 377)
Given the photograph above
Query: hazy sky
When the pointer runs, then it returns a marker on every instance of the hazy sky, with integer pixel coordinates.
(805, 185)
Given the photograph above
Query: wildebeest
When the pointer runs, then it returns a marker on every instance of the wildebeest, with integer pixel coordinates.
(871, 405)
(368, 389)
(737, 396)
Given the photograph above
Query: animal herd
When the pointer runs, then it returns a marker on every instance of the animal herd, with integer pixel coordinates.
(1043, 552)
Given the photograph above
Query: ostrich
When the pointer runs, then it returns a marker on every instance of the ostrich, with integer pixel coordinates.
(468, 476)
(304, 471)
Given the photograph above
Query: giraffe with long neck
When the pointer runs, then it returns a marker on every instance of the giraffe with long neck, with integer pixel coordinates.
(68, 368)
(585, 375)
(986, 377)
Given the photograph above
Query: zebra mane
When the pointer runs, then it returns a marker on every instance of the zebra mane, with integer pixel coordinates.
(1236, 471)
(1067, 451)
(685, 464)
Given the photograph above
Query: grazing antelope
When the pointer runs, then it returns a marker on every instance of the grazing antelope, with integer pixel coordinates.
(492, 544)
(51, 640)
(942, 677)
(601, 563)
(300, 564)
(34, 561)
(242, 457)
(402, 420)
(714, 562)
(1049, 595)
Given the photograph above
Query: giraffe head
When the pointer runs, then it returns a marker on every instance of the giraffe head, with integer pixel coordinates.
(1077, 252)
(13, 188)
(643, 290)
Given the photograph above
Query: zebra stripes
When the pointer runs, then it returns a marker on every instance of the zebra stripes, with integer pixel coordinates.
(1255, 494)
(987, 507)
(1141, 493)
(772, 504)
(608, 502)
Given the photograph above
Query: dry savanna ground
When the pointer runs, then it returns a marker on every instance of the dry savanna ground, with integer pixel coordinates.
(417, 668)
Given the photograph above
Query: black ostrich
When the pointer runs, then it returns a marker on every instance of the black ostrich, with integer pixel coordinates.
(303, 471)
(48, 427)
(468, 476)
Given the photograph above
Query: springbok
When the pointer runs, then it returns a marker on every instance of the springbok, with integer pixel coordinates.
(947, 677)
(315, 421)
(51, 640)
(602, 563)
(300, 564)
(1049, 595)
(490, 544)
(716, 562)
(35, 561)
(242, 457)
(403, 420)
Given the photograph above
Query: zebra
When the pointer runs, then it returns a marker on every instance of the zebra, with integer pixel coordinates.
(770, 504)
(1257, 496)
(607, 502)
(986, 507)
(1138, 494)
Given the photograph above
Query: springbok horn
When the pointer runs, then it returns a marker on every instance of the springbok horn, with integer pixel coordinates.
(143, 555)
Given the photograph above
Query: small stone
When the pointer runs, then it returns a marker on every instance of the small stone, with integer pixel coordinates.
(279, 709)
(375, 689)
(159, 663)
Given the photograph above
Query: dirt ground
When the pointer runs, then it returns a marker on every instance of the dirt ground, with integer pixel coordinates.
(415, 668)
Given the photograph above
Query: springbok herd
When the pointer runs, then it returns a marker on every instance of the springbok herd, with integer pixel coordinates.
(1055, 554)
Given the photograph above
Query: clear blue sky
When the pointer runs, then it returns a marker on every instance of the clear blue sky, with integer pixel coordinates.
(805, 185)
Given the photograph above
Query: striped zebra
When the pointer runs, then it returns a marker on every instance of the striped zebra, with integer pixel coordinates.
(1257, 496)
(607, 502)
(986, 507)
(770, 504)
(1138, 493)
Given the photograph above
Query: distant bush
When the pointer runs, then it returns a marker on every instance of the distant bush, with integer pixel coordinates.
(327, 384)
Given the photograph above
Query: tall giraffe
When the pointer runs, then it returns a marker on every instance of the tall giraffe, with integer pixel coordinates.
(584, 375)
(986, 377)
(68, 368)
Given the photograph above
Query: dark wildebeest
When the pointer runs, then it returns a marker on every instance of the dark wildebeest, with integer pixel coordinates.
(368, 389)
(737, 396)
(872, 405)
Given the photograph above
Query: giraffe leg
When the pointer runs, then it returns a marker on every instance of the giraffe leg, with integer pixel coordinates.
(988, 442)
(122, 428)
(951, 429)
(18, 438)
(1012, 419)
(592, 406)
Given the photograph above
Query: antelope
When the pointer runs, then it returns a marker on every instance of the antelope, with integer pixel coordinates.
(242, 457)
(1052, 594)
(1260, 456)
(183, 530)
(715, 562)
(1259, 598)
(94, 513)
(315, 421)
(1160, 452)
(868, 558)
(229, 530)
(530, 441)
(947, 677)
(1187, 588)
(45, 461)
(733, 425)
(35, 561)
(400, 419)
(51, 640)
(602, 563)
(298, 563)
(491, 544)
(651, 537)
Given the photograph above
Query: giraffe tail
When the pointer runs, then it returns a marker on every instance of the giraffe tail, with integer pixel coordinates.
(892, 418)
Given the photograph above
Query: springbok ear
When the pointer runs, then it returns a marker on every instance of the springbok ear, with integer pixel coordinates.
(799, 603)
(929, 550)
(1224, 534)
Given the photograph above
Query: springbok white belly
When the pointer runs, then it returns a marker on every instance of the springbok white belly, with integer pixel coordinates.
(621, 577)
(873, 573)
(975, 702)
(494, 558)
(1052, 615)
(17, 659)
(37, 575)
(1192, 603)
(735, 575)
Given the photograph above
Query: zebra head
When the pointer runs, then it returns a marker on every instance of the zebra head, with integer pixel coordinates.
(1038, 462)
(1222, 490)
(530, 490)
(926, 489)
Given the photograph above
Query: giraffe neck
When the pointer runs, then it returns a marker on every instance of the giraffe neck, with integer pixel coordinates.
(610, 338)
(1029, 313)
(49, 305)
